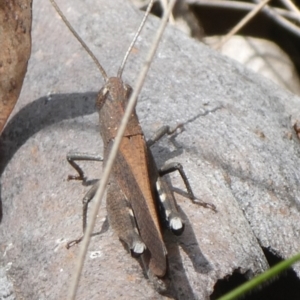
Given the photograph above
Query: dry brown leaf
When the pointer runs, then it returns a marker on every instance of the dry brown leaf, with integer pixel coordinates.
(15, 41)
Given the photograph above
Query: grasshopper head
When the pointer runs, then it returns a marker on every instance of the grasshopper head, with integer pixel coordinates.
(115, 90)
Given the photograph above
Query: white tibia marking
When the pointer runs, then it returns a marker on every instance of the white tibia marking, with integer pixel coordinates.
(105, 90)
(136, 230)
(130, 212)
(158, 185)
(139, 247)
(176, 223)
(163, 197)
(168, 212)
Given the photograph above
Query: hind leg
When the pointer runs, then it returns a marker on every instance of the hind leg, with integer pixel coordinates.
(174, 166)
(121, 219)
(169, 207)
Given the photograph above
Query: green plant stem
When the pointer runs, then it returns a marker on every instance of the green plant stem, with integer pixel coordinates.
(242, 289)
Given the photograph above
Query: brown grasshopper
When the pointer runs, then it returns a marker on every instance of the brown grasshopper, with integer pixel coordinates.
(138, 199)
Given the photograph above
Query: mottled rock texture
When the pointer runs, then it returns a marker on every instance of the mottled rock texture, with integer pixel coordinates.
(238, 149)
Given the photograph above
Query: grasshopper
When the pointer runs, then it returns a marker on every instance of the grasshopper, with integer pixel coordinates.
(139, 200)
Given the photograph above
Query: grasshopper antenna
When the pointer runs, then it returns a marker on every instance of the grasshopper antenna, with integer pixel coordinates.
(121, 69)
(80, 40)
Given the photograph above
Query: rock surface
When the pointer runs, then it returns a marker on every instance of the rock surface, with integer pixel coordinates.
(238, 149)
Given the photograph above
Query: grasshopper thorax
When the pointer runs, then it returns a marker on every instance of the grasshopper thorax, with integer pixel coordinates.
(111, 104)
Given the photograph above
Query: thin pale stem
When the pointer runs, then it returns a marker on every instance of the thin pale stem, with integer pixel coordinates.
(271, 13)
(164, 5)
(245, 6)
(291, 6)
(242, 23)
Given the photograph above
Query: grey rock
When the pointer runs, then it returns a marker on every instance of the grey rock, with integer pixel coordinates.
(6, 285)
(238, 149)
